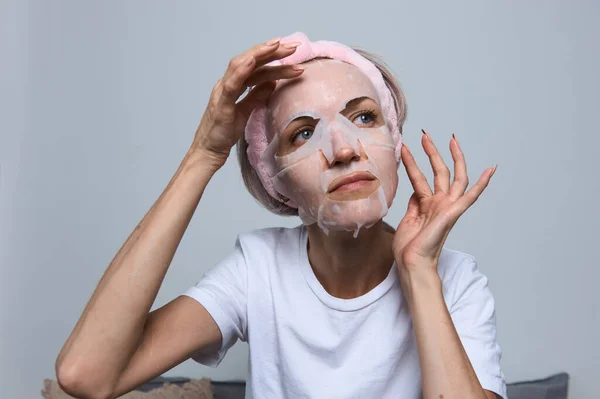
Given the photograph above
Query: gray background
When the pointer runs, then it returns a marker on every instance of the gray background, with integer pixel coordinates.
(100, 101)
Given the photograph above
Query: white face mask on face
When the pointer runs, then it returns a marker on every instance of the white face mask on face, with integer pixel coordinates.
(332, 152)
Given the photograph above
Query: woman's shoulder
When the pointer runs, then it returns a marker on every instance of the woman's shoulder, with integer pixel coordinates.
(455, 265)
(268, 240)
(451, 260)
(460, 273)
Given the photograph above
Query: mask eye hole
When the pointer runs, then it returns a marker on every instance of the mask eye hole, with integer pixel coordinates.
(297, 133)
(365, 118)
(302, 135)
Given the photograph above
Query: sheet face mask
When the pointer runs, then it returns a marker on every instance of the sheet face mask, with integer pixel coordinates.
(303, 168)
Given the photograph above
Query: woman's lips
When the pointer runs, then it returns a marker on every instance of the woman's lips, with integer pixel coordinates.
(350, 182)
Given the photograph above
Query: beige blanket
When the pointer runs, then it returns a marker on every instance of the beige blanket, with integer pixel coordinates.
(194, 389)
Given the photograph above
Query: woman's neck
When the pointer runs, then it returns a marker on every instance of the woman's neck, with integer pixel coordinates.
(349, 267)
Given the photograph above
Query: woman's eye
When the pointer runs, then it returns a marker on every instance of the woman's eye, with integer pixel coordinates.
(304, 134)
(365, 118)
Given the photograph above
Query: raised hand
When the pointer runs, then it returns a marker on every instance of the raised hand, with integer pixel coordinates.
(430, 216)
(225, 117)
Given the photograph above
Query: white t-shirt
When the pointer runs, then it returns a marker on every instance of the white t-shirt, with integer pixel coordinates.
(305, 343)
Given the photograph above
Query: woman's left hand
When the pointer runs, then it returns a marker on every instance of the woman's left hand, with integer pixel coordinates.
(430, 216)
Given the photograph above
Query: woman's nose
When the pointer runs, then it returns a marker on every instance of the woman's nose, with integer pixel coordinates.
(345, 154)
(343, 150)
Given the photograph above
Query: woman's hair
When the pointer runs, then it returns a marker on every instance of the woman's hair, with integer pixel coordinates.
(249, 175)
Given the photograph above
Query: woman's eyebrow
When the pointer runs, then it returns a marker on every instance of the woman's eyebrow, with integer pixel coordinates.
(354, 102)
(299, 115)
(301, 120)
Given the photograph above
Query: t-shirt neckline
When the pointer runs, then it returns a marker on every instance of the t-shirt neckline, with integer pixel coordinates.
(346, 305)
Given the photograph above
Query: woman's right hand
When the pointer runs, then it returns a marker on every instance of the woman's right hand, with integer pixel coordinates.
(225, 118)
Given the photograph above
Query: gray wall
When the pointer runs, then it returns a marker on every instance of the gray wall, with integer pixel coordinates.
(100, 101)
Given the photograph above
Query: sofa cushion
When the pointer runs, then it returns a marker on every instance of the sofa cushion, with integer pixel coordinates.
(553, 387)
(229, 389)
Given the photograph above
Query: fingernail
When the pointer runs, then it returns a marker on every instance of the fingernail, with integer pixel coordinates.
(457, 143)
(425, 134)
(272, 42)
(298, 67)
(494, 171)
(291, 45)
(404, 145)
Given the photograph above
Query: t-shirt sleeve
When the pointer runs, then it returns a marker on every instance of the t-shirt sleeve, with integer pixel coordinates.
(222, 290)
(474, 316)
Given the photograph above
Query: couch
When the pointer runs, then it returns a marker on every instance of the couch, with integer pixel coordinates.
(552, 387)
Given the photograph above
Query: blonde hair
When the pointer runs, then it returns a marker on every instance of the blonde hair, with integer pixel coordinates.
(249, 175)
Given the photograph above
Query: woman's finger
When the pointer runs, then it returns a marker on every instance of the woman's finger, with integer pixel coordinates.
(257, 96)
(240, 68)
(266, 73)
(464, 202)
(441, 173)
(232, 85)
(461, 179)
(412, 209)
(416, 177)
(282, 51)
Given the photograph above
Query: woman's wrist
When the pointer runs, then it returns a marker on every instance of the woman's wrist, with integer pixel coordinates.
(420, 284)
(202, 159)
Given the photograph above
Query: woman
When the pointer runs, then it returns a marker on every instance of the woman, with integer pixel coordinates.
(343, 306)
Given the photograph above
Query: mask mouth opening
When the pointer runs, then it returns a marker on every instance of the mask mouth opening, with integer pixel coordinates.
(349, 179)
(366, 188)
(353, 186)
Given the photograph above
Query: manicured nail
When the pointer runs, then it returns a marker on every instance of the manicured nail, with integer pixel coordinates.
(426, 135)
(457, 143)
(493, 171)
(291, 45)
(273, 42)
(298, 67)
(404, 145)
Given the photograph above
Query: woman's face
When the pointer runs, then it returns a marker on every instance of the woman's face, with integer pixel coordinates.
(330, 149)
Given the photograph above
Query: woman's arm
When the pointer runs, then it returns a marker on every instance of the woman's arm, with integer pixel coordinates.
(116, 344)
(446, 371)
(110, 328)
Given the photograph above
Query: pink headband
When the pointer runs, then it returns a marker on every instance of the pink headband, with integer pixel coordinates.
(256, 134)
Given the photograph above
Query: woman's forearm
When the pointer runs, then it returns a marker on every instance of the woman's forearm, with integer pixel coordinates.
(446, 371)
(107, 333)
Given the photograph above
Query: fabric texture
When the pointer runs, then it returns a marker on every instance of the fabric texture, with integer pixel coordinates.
(306, 343)
(193, 389)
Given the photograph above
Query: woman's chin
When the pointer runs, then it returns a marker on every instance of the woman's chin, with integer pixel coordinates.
(346, 215)
(351, 215)
(354, 227)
